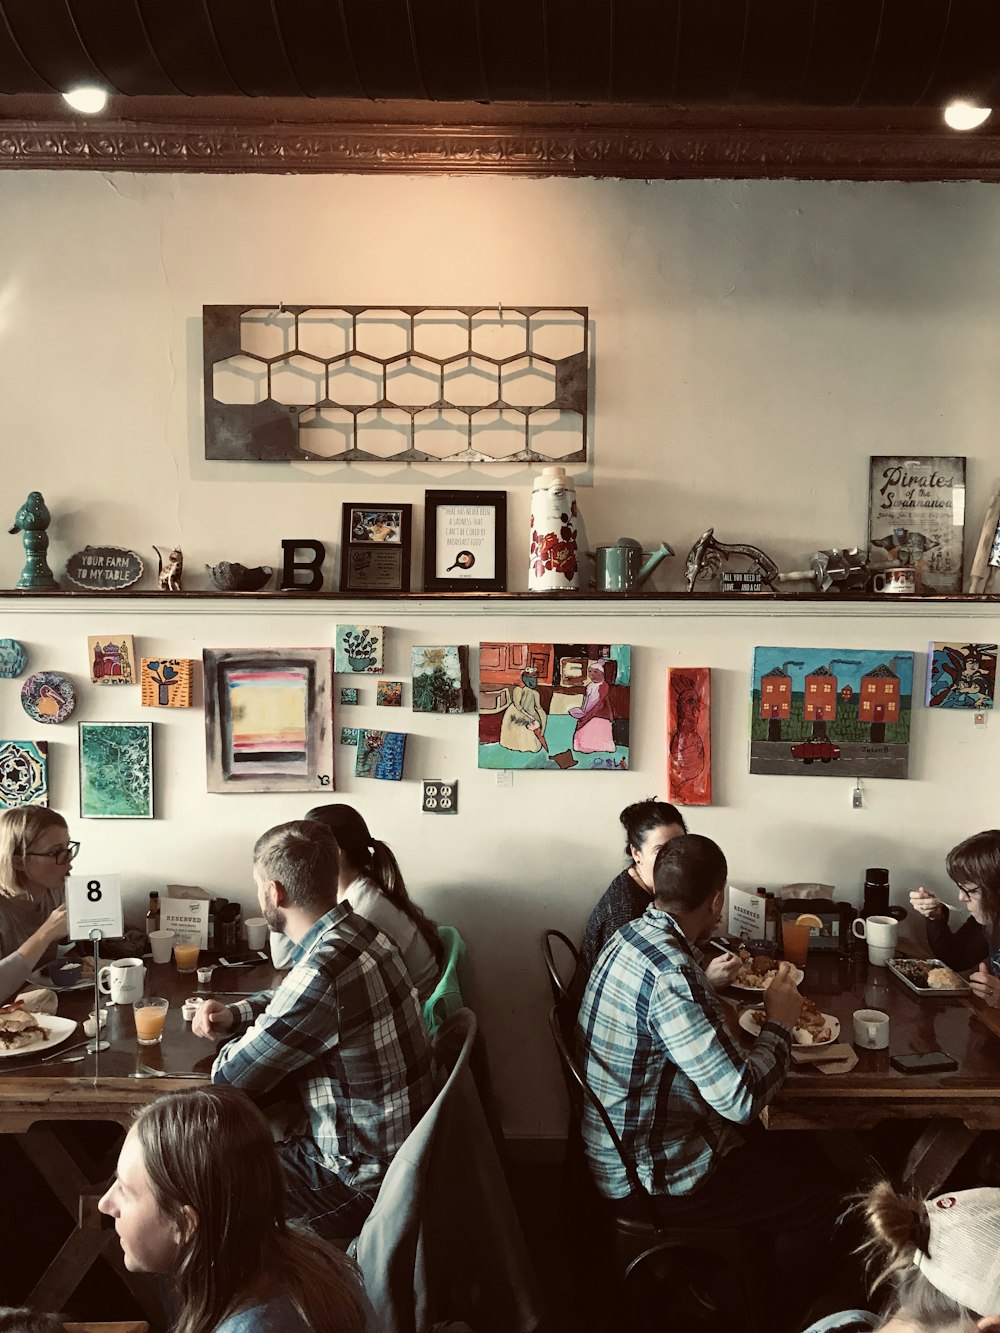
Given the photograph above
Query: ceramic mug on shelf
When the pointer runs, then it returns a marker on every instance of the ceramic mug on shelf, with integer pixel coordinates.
(124, 980)
(880, 933)
(871, 1029)
(896, 579)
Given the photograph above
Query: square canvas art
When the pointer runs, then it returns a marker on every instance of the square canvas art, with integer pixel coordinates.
(689, 735)
(112, 659)
(349, 735)
(389, 694)
(165, 682)
(440, 679)
(116, 770)
(961, 675)
(359, 648)
(554, 705)
(269, 719)
(24, 774)
(827, 712)
(348, 697)
(380, 755)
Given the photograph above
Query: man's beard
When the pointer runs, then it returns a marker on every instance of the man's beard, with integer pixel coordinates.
(275, 918)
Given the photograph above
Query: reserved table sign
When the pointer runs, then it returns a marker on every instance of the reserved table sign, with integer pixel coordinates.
(185, 912)
(94, 902)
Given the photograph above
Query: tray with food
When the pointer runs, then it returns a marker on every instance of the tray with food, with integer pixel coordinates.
(756, 974)
(928, 977)
(813, 1028)
(23, 1031)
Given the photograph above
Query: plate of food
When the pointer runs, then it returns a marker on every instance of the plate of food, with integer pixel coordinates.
(813, 1029)
(756, 975)
(928, 976)
(22, 1032)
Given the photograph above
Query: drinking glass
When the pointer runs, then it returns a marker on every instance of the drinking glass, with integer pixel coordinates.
(186, 957)
(795, 940)
(150, 1016)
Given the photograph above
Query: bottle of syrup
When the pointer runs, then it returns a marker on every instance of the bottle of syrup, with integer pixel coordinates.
(153, 913)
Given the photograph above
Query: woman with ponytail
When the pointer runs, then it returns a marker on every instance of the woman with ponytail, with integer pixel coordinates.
(941, 1257)
(372, 882)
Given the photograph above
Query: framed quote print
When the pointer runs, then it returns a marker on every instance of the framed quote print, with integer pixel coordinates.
(375, 548)
(465, 541)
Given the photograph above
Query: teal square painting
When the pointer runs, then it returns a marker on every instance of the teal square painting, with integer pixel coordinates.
(23, 774)
(116, 770)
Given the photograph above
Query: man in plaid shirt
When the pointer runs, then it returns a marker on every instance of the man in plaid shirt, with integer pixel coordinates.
(682, 1093)
(343, 1034)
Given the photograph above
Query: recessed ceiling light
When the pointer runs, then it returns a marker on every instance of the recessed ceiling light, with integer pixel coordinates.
(962, 115)
(87, 98)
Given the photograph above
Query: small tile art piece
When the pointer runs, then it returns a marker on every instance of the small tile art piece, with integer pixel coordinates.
(348, 698)
(389, 694)
(440, 679)
(440, 798)
(349, 735)
(48, 696)
(165, 682)
(24, 770)
(13, 658)
(380, 755)
(961, 675)
(358, 648)
(112, 659)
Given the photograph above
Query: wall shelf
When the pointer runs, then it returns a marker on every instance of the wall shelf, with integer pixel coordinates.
(152, 602)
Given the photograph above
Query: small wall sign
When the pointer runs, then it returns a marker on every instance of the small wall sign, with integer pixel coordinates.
(104, 568)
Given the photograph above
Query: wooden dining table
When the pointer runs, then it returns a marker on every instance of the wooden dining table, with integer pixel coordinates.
(946, 1111)
(40, 1103)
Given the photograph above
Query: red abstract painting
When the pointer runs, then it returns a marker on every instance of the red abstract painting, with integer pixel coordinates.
(689, 735)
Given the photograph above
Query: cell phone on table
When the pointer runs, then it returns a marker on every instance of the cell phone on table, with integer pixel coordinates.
(927, 1062)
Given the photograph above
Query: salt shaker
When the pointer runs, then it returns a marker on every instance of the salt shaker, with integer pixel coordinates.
(552, 559)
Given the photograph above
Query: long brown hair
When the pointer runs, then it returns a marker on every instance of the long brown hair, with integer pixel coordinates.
(18, 831)
(376, 860)
(211, 1150)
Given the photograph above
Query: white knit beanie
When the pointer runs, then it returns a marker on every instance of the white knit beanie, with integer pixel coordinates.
(963, 1252)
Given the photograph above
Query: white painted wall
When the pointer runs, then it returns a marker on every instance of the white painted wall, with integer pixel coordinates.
(754, 344)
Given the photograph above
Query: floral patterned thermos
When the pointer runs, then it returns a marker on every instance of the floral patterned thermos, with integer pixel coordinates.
(553, 559)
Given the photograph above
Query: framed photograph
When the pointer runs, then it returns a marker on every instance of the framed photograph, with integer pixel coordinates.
(375, 548)
(465, 541)
(269, 719)
(916, 519)
(116, 770)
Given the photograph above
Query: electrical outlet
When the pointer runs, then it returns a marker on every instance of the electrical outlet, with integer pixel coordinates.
(440, 798)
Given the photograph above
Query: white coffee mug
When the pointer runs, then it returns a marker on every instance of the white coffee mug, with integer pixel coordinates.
(162, 943)
(896, 579)
(881, 932)
(124, 980)
(256, 932)
(871, 1029)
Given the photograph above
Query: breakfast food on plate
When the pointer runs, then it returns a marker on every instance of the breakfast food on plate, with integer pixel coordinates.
(943, 978)
(812, 1028)
(18, 1027)
(757, 974)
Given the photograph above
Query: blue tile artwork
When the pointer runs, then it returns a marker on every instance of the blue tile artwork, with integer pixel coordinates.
(348, 697)
(349, 735)
(961, 675)
(380, 755)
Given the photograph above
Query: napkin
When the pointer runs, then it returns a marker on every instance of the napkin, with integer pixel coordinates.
(39, 1001)
(840, 1058)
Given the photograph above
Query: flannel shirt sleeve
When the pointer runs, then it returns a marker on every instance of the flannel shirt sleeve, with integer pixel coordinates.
(687, 1018)
(291, 1027)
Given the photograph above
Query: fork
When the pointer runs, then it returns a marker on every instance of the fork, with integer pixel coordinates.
(144, 1071)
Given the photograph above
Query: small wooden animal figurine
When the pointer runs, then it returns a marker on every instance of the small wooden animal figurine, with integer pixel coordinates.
(171, 570)
(32, 520)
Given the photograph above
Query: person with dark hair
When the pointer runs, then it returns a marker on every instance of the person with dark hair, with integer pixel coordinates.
(683, 1094)
(23, 1320)
(648, 825)
(371, 881)
(974, 866)
(199, 1197)
(942, 1258)
(343, 1033)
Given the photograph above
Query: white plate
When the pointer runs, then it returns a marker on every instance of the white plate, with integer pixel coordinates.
(797, 975)
(58, 1030)
(749, 1024)
(46, 982)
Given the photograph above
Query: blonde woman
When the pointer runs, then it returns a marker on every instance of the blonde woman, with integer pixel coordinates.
(35, 858)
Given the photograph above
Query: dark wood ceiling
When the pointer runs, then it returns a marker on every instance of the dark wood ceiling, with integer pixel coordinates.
(844, 88)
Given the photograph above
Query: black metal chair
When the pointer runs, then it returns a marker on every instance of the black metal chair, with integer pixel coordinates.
(560, 988)
(677, 1274)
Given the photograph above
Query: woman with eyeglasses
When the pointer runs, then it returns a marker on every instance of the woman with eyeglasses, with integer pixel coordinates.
(974, 865)
(35, 858)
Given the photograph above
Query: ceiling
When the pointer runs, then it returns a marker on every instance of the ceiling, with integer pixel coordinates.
(651, 88)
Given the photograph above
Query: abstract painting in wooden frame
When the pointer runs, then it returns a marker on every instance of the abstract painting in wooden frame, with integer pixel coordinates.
(269, 719)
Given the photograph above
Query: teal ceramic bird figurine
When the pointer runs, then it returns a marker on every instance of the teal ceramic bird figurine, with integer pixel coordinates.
(32, 520)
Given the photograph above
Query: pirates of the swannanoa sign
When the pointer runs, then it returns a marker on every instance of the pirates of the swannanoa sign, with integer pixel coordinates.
(916, 517)
(825, 712)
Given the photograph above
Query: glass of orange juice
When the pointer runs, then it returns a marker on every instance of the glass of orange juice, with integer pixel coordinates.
(795, 937)
(186, 957)
(150, 1016)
